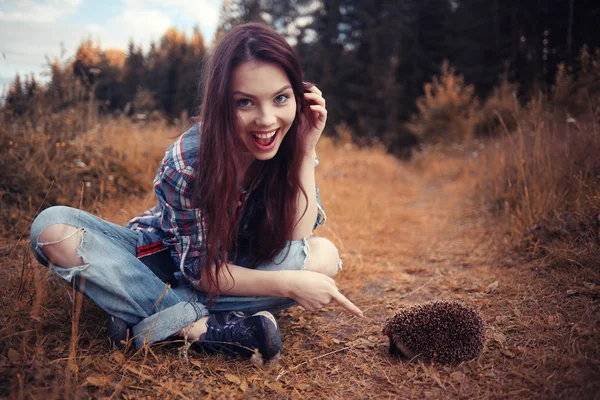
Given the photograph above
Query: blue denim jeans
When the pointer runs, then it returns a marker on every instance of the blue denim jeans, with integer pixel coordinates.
(124, 287)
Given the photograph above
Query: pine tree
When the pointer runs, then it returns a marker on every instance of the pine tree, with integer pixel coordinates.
(189, 90)
(164, 61)
(33, 98)
(16, 100)
(375, 57)
(133, 74)
(109, 89)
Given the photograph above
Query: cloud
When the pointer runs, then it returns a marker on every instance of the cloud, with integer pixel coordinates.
(24, 45)
(32, 11)
(141, 25)
(30, 30)
(147, 20)
(204, 13)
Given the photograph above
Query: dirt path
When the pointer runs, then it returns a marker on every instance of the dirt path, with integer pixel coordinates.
(406, 236)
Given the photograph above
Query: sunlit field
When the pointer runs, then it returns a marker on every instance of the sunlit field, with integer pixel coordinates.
(508, 225)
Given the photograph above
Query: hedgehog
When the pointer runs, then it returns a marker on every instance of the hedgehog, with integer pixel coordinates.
(447, 332)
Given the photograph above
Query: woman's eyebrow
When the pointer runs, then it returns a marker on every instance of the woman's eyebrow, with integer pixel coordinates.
(286, 87)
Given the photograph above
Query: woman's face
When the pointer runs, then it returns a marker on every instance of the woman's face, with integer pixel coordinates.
(265, 105)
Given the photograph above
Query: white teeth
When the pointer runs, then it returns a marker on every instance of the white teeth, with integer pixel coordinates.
(264, 135)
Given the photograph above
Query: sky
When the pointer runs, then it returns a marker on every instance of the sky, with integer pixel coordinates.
(30, 30)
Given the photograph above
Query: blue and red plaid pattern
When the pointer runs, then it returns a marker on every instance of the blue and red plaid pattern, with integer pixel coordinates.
(174, 222)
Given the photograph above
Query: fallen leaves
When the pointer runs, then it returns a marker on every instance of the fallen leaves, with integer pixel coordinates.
(233, 378)
(275, 386)
(508, 353)
(118, 357)
(98, 380)
(491, 288)
(398, 258)
(303, 386)
(457, 375)
(499, 337)
(13, 355)
(138, 372)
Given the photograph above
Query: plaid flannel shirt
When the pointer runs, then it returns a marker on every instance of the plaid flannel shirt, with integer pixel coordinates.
(174, 222)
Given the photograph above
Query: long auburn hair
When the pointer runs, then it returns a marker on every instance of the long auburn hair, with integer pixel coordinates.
(274, 202)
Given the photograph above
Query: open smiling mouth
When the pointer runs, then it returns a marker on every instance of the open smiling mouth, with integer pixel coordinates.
(264, 140)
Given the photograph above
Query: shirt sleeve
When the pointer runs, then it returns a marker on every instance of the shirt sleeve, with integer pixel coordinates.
(321, 215)
(183, 224)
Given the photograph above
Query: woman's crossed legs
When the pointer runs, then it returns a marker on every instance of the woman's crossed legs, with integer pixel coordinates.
(98, 258)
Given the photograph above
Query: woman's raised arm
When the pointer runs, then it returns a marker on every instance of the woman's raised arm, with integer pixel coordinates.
(308, 208)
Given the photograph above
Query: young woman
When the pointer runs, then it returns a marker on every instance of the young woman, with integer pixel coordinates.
(230, 240)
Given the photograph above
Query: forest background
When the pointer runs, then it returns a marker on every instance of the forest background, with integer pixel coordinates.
(372, 58)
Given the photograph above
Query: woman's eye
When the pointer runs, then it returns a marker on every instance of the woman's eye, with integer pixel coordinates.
(281, 98)
(244, 103)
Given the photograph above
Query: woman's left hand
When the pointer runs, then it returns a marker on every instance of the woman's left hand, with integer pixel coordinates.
(317, 117)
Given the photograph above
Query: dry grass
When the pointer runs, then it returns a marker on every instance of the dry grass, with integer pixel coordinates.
(546, 184)
(408, 233)
(448, 111)
(52, 161)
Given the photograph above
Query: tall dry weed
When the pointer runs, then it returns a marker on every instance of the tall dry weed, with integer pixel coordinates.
(578, 92)
(47, 164)
(541, 168)
(500, 110)
(545, 179)
(447, 112)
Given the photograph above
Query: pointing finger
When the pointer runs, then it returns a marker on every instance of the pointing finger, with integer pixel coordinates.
(347, 304)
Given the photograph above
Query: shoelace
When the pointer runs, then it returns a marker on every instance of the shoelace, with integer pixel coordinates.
(227, 339)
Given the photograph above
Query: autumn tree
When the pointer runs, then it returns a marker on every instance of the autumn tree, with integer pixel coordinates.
(87, 62)
(109, 88)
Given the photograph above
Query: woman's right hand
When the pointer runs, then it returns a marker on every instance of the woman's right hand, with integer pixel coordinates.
(313, 291)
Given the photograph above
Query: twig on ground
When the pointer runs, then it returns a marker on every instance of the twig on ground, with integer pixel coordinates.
(419, 288)
(282, 373)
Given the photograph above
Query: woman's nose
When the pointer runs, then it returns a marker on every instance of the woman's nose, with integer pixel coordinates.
(265, 117)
